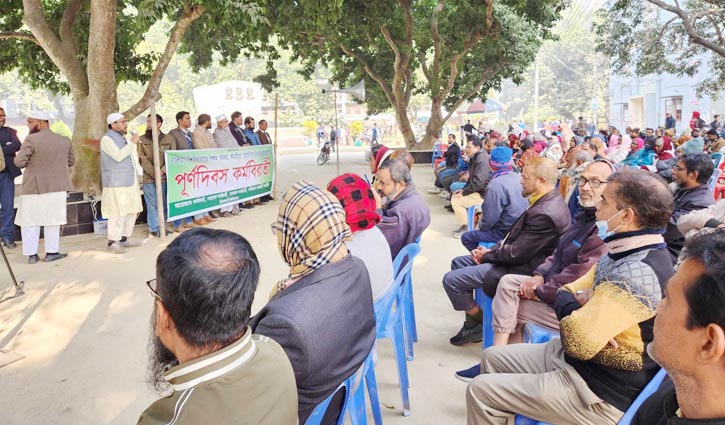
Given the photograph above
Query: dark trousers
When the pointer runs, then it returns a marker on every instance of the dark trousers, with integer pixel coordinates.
(464, 278)
(7, 200)
(471, 239)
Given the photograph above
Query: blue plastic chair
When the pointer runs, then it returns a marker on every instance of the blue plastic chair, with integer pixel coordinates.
(535, 334)
(437, 153)
(405, 258)
(471, 211)
(712, 183)
(646, 392)
(354, 402)
(484, 303)
(716, 158)
(390, 322)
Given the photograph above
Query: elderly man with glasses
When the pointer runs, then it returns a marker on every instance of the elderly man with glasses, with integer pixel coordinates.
(202, 346)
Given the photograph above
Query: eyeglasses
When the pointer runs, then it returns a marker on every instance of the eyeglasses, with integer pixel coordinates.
(152, 287)
(678, 168)
(593, 183)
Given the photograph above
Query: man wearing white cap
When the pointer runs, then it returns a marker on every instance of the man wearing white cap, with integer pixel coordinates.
(46, 157)
(223, 134)
(120, 200)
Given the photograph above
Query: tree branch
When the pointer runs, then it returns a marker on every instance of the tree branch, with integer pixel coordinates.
(695, 37)
(424, 66)
(454, 64)
(716, 27)
(489, 14)
(487, 75)
(69, 18)
(61, 54)
(371, 72)
(190, 14)
(436, 36)
(19, 35)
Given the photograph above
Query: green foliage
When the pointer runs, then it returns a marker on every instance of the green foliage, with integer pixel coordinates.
(59, 127)
(643, 39)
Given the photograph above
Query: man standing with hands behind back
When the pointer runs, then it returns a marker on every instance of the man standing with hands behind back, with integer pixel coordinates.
(46, 157)
(10, 145)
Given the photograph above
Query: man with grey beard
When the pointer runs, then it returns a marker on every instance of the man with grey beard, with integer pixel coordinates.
(204, 359)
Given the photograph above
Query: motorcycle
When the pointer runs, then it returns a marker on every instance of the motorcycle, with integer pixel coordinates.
(324, 155)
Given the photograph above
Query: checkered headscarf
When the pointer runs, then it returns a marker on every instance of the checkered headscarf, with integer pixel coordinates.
(310, 229)
(357, 199)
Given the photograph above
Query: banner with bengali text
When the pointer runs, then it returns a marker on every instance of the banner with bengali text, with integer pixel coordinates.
(207, 179)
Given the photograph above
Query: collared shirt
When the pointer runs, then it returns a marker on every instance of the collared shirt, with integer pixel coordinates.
(248, 382)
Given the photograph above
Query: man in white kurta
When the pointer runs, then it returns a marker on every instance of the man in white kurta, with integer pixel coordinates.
(121, 198)
(45, 157)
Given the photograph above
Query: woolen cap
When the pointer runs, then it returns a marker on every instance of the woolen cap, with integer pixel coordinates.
(110, 119)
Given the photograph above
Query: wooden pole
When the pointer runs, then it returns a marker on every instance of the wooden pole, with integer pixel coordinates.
(276, 125)
(337, 138)
(157, 170)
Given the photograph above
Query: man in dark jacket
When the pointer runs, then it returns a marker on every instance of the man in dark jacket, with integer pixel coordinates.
(472, 193)
(597, 368)
(691, 173)
(689, 340)
(523, 298)
(405, 215)
(670, 121)
(10, 145)
(237, 130)
(532, 238)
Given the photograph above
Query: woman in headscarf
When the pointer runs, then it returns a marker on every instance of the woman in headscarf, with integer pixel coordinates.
(665, 159)
(378, 154)
(526, 153)
(554, 151)
(368, 242)
(638, 155)
(323, 304)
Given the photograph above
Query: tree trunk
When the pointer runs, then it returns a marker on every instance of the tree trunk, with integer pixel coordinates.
(434, 126)
(87, 171)
(401, 114)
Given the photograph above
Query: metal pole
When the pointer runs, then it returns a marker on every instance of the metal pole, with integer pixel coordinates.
(337, 138)
(274, 181)
(536, 95)
(157, 170)
(596, 95)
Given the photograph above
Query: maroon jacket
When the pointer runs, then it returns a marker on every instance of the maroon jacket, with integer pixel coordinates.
(578, 250)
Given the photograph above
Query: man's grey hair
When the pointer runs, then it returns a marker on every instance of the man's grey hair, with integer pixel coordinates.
(398, 169)
(584, 156)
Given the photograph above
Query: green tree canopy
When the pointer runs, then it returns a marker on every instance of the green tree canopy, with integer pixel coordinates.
(655, 36)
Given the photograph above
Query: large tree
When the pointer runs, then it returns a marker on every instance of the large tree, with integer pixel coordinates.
(463, 49)
(654, 36)
(85, 48)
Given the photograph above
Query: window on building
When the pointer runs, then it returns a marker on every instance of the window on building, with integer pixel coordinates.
(673, 106)
(625, 114)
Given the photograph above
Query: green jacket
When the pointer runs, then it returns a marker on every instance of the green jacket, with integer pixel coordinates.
(146, 155)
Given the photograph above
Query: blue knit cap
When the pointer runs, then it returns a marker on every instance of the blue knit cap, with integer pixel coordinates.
(501, 154)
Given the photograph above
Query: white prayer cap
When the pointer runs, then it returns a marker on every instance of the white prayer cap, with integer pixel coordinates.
(39, 115)
(221, 117)
(113, 117)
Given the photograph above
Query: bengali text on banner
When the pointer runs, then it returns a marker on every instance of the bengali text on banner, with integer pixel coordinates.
(208, 179)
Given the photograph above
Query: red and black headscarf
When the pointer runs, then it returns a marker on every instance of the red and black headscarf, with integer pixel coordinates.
(357, 199)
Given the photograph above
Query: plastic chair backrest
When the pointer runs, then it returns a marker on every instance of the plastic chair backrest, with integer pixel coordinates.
(404, 260)
(716, 158)
(712, 183)
(316, 416)
(647, 391)
(443, 147)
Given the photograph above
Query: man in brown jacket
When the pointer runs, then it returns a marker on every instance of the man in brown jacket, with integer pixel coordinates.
(46, 157)
(146, 159)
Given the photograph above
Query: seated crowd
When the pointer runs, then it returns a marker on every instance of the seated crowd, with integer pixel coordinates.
(619, 255)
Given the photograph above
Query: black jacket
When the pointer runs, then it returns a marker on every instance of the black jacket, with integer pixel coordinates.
(10, 144)
(479, 172)
(326, 325)
(532, 238)
(238, 134)
(660, 408)
(686, 201)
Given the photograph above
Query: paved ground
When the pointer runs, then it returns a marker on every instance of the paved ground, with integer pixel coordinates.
(84, 321)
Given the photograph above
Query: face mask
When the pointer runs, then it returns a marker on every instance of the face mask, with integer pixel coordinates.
(603, 227)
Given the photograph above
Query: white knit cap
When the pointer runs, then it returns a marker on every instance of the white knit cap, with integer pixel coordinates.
(113, 117)
(39, 115)
(221, 117)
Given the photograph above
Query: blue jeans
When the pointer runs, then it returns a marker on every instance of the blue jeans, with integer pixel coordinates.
(457, 185)
(471, 238)
(149, 195)
(7, 200)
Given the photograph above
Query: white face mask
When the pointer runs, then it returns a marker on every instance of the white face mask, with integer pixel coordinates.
(603, 227)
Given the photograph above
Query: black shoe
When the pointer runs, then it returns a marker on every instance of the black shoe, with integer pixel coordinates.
(246, 207)
(8, 243)
(33, 259)
(156, 234)
(53, 257)
(214, 214)
(468, 335)
(467, 375)
(263, 200)
(449, 208)
(268, 197)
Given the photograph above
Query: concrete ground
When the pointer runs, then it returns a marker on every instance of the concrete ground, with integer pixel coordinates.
(83, 323)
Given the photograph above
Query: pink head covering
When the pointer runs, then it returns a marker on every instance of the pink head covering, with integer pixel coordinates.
(639, 142)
